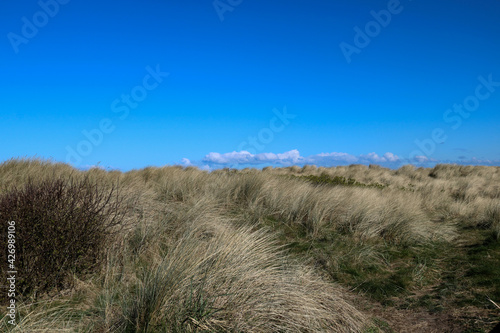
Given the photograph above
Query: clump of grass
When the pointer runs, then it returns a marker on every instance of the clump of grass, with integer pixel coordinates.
(368, 213)
(338, 180)
(61, 228)
(493, 217)
(224, 279)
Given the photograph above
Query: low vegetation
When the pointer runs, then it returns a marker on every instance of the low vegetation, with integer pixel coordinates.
(62, 226)
(344, 249)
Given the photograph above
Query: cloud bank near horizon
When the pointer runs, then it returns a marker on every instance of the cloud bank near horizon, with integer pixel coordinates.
(235, 159)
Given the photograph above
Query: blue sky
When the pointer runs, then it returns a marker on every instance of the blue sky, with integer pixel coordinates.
(128, 84)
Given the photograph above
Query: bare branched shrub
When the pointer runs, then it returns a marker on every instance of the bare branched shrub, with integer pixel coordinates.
(61, 228)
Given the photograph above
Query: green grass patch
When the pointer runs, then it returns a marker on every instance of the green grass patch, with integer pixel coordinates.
(473, 272)
(379, 326)
(375, 268)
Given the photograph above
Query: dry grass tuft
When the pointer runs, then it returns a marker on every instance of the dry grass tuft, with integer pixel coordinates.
(225, 279)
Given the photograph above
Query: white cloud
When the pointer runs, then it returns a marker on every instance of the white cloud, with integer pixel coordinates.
(186, 162)
(292, 156)
(244, 157)
(241, 157)
(391, 157)
(332, 158)
(421, 159)
(375, 158)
